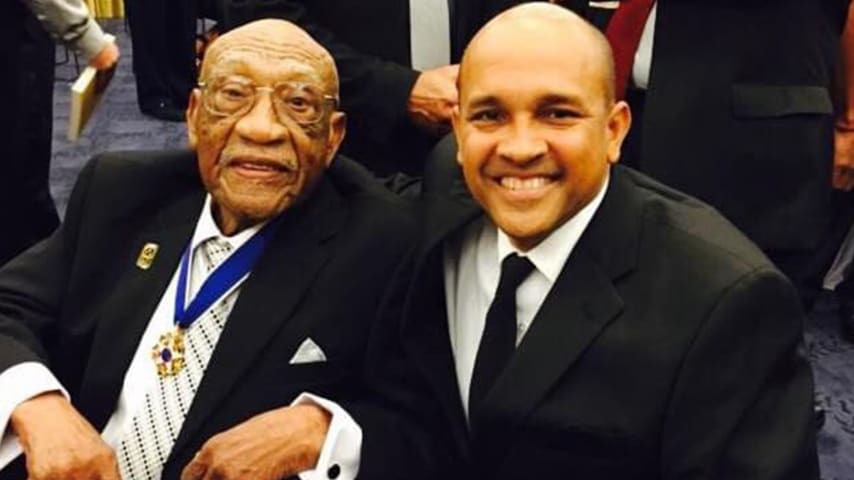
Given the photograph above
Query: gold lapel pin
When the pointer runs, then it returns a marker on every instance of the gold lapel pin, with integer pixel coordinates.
(146, 255)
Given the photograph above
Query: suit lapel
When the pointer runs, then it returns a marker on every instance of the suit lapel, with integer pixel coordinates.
(128, 311)
(267, 299)
(447, 208)
(425, 337)
(580, 305)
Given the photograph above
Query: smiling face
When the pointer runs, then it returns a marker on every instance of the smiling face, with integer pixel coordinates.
(259, 161)
(537, 127)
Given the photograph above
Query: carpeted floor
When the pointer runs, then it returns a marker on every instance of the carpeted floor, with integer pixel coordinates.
(118, 125)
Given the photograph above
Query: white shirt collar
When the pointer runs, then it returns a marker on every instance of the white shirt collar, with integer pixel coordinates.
(549, 256)
(206, 228)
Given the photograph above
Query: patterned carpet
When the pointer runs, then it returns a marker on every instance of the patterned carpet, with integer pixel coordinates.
(118, 125)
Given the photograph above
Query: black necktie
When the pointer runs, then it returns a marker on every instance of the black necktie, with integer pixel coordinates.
(499, 336)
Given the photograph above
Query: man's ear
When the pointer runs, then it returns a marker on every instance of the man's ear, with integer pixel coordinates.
(456, 124)
(619, 122)
(337, 132)
(192, 115)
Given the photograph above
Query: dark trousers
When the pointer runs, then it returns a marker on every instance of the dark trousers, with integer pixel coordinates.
(164, 62)
(27, 212)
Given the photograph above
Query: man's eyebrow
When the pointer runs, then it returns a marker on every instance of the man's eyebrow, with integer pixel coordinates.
(556, 98)
(483, 101)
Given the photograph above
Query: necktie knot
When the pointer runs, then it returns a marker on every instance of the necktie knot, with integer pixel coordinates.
(514, 270)
(214, 250)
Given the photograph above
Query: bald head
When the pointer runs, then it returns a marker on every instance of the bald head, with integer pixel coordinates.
(537, 125)
(264, 121)
(273, 40)
(540, 25)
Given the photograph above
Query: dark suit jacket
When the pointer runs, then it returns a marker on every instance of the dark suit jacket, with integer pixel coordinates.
(739, 113)
(78, 303)
(669, 347)
(370, 42)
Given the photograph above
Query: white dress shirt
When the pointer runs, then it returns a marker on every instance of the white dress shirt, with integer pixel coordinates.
(26, 380)
(643, 56)
(430, 33)
(472, 267)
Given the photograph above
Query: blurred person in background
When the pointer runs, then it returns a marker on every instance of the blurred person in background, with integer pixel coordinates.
(27, 212)
(164, 65)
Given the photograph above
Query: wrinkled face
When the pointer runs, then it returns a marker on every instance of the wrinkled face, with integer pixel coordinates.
(259, 160)
(536, 132)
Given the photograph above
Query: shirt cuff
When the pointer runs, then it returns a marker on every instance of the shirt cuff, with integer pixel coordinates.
(18, 384)
(341, 453)
(92, 41)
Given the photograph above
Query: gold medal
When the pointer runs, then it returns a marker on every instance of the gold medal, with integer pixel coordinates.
(168, 353)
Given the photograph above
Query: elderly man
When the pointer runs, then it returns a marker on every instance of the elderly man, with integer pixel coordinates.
(575, 318)
(190, 297)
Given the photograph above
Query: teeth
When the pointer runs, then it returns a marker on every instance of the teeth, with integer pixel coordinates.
(258, 166)
(515, 183)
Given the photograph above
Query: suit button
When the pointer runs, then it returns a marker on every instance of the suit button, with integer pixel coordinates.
(333, 472)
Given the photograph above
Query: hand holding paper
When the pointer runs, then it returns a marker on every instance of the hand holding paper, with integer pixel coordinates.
(87, 89)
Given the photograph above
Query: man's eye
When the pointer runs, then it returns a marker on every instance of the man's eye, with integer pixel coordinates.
(298, 103)
(486, 116)
(559, 114)
(233, 93)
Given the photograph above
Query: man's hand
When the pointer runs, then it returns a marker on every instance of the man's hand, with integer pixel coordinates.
(106, 58)
(433, 98)
(269, 446)
(843, 158)
(59, 443)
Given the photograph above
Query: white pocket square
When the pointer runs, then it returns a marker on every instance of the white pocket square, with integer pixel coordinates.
(605, 5)
(308, 352)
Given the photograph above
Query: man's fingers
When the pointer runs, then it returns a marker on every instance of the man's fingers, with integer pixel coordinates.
(113, 473)
(111, 476)
(106, 58)
(195, 470)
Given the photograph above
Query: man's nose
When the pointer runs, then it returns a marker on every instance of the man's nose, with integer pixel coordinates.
(260, 124)
(522, 144)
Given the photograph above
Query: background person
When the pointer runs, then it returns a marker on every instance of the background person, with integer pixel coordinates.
(27, 63)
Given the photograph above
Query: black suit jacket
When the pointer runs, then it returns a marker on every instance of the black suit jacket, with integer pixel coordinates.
(78, 303)
(370, 42)
(669, 347)
(739, 109)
